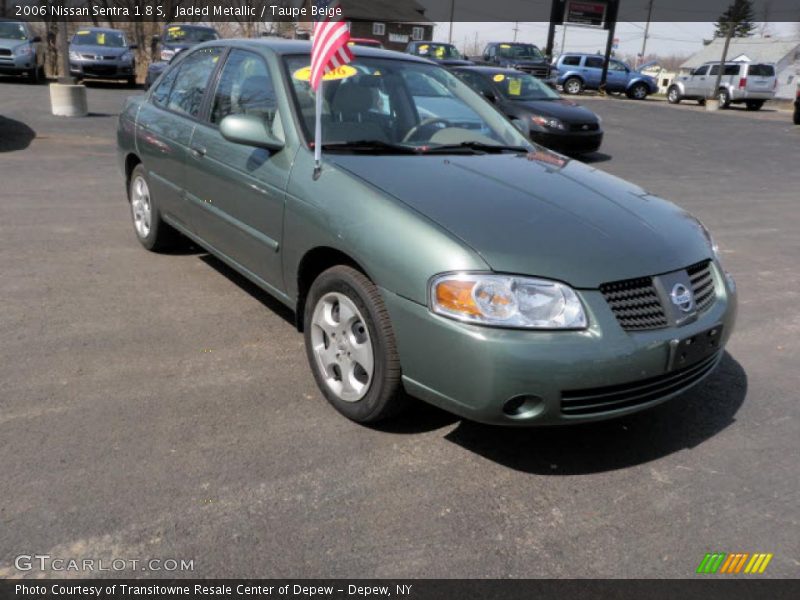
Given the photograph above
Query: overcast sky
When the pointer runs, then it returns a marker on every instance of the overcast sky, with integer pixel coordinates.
(664, 38)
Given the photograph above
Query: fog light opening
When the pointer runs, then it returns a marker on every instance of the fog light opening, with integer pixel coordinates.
(523, 406)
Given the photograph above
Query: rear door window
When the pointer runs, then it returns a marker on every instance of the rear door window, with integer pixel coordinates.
(571, 61)
(190, 84)
(594, 62)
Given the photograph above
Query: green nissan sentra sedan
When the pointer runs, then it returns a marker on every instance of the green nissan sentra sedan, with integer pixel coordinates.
(436, 253)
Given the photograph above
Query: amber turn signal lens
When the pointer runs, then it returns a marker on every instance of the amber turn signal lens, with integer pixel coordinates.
(456, 296)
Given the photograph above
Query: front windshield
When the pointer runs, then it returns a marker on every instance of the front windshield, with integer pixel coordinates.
(520, 52)
(13, 31)
(112, 39)
(388, 101)
(178, 33)
(440, 51)
(521, 86)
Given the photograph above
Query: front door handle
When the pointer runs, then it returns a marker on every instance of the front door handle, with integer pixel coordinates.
(198, 151)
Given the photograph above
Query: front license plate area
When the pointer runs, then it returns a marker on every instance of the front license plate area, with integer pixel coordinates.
(690, 350)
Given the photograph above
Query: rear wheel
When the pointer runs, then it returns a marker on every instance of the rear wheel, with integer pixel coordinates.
(151, 231)
(673, 95)
(351, 347)
(701, 101)
(573, 86)
(724, 98)
(754, 104)
(638, 91)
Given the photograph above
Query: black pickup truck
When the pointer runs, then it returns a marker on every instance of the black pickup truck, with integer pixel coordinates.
(515, 55)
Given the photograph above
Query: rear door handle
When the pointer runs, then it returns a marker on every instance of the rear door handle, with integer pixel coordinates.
(198, 151)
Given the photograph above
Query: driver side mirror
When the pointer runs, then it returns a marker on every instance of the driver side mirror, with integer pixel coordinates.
(248, 130)
(36, 39)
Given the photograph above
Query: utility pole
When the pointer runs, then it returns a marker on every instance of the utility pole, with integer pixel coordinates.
(516, 29)
(556, 18)
(646, 29)
(452, 18)
(563, 37)
(728, 36)
(611, 24)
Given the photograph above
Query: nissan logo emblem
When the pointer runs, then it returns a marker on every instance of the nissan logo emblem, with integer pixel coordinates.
(681, 297)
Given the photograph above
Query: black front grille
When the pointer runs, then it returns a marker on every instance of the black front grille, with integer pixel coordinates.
(5, 52)
(584, 126)
(540, 72)
(635, 303)
(702, 285)
(616, 397)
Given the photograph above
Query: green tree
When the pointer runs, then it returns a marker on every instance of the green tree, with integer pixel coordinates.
(740, 15)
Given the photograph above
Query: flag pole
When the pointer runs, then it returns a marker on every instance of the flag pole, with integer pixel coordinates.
(318, 131)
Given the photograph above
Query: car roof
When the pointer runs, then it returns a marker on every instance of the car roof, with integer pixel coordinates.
(190, 26)
(737, 62)
(286, 47)
(100, 30)
(484, 70)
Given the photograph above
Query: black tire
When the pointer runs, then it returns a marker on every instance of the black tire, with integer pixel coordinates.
(754, 104)
(34, 76)
(796, 118)
(674, 95)
(384, 397)
(724, 98)
(638, 91)
(701, 102)
(572, 86)
(160, 237)
(131, 82)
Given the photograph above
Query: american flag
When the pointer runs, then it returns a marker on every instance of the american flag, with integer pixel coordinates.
(329, 49)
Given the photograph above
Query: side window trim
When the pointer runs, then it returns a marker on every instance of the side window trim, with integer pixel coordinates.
(196, 118)
(204, 115)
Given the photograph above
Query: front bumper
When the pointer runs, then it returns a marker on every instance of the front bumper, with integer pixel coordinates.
(17, 65)
(101, 69)
(473, 371)
(570, 142)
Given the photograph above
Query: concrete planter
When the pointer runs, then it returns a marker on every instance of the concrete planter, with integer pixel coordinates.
(712, 104)
(68, 100)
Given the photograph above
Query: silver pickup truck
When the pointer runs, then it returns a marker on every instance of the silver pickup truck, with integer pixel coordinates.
(742, 82)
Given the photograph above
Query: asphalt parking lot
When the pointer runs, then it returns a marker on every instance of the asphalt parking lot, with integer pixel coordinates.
(159, 406)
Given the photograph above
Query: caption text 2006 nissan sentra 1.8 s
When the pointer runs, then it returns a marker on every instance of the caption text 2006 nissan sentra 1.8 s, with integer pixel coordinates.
(437, 253)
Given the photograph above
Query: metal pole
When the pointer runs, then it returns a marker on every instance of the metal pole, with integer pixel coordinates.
(63, 51)
(646, 29)
(516, 30)
(613, 6)
(556, 16)
(563, 38)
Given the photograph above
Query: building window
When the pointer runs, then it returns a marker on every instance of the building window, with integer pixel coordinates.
(379, 29)
(417, 34)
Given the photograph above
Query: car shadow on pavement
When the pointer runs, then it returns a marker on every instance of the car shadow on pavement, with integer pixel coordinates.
(683, 422)
(248, 286)
(14, 135)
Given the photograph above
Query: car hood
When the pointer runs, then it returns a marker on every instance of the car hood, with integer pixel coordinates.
(9, 44)
(97, 50)
(541, 214)
(563, 110)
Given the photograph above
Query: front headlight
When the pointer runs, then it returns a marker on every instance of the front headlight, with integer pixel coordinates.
(167, 54)
(24, 50)
(507, 301)
(713, 245)
(74, 55)
(549, 122)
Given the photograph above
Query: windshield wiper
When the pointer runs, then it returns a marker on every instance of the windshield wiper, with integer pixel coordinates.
(369, 147)
(476, 147)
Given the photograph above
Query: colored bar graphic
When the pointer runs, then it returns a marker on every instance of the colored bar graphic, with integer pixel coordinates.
(721, 562)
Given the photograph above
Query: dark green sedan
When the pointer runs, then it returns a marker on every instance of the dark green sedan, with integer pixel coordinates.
(436, 253)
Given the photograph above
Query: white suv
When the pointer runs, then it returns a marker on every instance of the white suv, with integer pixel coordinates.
(742, 82)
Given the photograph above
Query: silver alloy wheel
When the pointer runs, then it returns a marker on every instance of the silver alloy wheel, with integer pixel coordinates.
(673, 95)
(342, 346)
(573, 87)
(141, 209)
(639, 92)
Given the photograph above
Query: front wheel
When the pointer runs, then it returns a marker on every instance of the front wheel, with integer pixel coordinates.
(351, 347)
(573, 86)
(724, 98)
(673, 96)
(34, 76)
(638, 91)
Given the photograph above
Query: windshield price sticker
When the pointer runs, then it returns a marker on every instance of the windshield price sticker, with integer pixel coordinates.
(342, 72)
(515, 87)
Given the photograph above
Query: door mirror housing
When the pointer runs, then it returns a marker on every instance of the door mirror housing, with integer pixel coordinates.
(249, 130)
